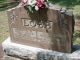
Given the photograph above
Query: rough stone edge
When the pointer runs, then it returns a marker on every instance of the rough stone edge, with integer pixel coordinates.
(33, 53)
(6, 57)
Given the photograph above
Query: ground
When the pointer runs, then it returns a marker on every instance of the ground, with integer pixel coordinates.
(1, 52)
(4, 30)
(4, 27)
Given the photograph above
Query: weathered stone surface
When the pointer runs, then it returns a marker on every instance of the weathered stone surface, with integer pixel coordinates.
(33, 53)
(6, 57)
(47, 28)
(21, 52)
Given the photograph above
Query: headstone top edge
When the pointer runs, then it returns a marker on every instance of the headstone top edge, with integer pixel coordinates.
(54, 7)
(14, 8)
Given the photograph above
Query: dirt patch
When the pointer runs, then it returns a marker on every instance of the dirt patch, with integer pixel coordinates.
(77, 25)
(1, 51)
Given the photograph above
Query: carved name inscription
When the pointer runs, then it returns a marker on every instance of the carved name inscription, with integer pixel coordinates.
(30, 23)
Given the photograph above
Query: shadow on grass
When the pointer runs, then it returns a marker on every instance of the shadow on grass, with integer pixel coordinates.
(75, 48)
(67, 3)
(7, 6)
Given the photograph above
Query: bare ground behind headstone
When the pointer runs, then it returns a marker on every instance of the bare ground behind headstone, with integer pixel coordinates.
(77, 25)
(1, 52)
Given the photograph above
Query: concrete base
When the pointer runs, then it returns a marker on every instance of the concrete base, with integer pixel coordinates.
(24, 52)
(6, 57)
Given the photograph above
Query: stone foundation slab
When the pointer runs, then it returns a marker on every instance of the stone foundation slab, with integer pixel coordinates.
(25, 52)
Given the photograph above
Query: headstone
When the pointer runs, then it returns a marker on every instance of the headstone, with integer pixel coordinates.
(47, 28)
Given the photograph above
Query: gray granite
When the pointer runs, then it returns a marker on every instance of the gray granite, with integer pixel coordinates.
(32, 53)
(6, 57)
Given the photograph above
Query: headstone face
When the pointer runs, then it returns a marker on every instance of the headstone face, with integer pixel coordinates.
(47, 28)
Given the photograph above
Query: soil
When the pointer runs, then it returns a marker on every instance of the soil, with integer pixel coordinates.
(1, 52)
(77, 25)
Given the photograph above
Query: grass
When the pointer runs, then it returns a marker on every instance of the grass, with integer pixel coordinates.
(7, 5)
(76, 11)
(73, 5)
(76, 38)
(4, 30)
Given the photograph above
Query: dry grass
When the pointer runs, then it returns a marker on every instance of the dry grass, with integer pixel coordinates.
(4, 30)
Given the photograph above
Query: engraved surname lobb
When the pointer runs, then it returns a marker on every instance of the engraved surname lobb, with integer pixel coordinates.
(33, 23)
